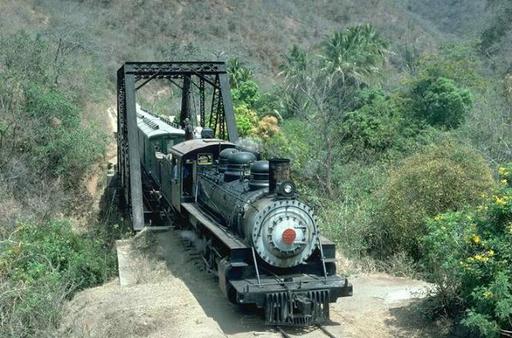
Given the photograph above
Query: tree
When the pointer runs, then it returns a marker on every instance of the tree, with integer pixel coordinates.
(247, 93)
(440, 102)
(373, 128)
(294, 70)
(238, 73)
(355, 54)
(329, 84)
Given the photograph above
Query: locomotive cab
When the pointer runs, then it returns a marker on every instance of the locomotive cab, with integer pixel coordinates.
(187, 159)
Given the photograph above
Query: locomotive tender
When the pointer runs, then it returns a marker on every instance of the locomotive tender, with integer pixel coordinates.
(259, 239)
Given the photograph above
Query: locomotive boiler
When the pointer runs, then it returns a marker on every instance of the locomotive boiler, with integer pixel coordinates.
(258, 201)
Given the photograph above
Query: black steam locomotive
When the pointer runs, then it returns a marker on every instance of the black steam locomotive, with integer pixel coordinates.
(259, 239)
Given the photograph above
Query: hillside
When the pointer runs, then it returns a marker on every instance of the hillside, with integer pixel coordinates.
(258, 32)
(395, 113)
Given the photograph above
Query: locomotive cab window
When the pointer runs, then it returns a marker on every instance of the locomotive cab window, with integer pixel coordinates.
(204, 159)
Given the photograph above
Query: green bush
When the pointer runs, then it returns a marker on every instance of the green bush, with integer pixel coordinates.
(373, 128)
(41, 123)
(347, 220)
(47, 105)
(62, 146)
(72, 153)
(292, 143)
(467, 255)
(41, 265)
(247, 93)
(443, 177)
(440, 102)
(37, 250)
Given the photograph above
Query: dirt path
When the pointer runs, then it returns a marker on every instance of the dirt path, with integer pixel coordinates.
(170, 295)
(92, 182)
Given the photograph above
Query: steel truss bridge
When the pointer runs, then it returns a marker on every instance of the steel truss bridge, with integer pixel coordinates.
(211, 83)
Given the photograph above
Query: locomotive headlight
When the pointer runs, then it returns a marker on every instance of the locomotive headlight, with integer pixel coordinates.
(286, 188)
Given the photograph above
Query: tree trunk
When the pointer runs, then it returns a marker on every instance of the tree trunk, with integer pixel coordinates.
(328, 167)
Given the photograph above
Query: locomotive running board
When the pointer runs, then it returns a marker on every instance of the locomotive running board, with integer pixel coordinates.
(196, 216)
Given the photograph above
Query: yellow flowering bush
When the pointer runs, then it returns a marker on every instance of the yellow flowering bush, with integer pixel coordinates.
(505, 173)
(267, 127)
(468, 255)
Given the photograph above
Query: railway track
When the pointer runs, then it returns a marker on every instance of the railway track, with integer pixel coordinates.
(284, 334)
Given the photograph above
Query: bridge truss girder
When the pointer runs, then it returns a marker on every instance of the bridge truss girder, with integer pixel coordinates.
(133, 76)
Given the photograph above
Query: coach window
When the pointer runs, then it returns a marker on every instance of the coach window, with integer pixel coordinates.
(170, 144)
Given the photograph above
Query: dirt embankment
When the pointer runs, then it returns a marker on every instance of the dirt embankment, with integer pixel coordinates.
(152, 303)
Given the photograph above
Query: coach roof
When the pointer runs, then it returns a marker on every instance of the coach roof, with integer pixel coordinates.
(186, 147)
(153, 126)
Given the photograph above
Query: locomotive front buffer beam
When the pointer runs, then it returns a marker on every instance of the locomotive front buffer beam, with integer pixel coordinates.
(297, 300)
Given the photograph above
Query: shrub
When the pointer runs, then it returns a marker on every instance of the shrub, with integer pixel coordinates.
(72, 153)
(267, 127)
(373, 128)
(292, 143)
(62, 147)
(247, 93)
(347, 219)
(46, 105)
(440, 102)
(36, 250)
(41, 265)
(467, 255)
(441, 178)
(246, 120)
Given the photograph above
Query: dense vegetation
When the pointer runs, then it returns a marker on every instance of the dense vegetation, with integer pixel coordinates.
(378, 162)
(467, 254)
(46, 150)
(396, 131)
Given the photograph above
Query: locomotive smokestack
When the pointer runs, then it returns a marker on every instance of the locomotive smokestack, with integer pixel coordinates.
(279, 171)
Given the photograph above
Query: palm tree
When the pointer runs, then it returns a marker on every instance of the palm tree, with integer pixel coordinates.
(347, 61)
(293, 70)
(355, 54)
(238, 73)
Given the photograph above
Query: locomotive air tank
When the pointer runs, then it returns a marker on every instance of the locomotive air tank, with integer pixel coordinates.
(257, 200)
